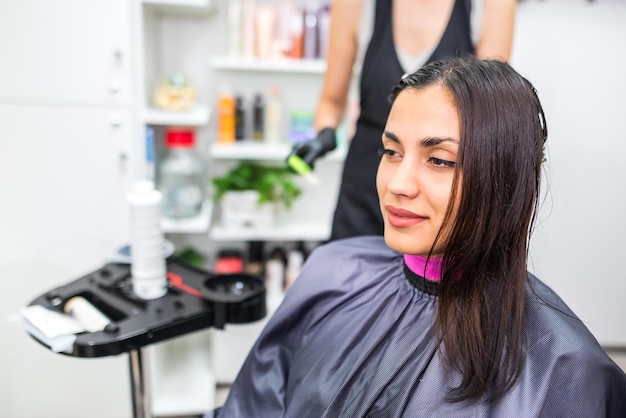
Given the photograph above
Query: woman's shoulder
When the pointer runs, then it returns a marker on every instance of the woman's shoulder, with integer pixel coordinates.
(562, 353)
(346, 260)
(371, 248)
(551, 323)
(339, 271)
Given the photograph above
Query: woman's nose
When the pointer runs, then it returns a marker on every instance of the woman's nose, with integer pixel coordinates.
(405, 180)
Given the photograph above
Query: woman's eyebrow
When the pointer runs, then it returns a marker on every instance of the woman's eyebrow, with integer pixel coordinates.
(430, 141)
(391, 136)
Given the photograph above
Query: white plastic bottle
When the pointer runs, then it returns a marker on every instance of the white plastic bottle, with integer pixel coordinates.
(181, 176)
(274, 117)
(148, 271)
(275, 278)
(295, 259)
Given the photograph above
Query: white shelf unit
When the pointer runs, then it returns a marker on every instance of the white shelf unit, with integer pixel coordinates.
(151, 63)
(196, 225)
(161, 34)
(197, 116)
(300, 83)
(179, 3)
(288, 231)
(302, 222)
(251, 150)
(201, 5)
(276, 65)
(173, 37)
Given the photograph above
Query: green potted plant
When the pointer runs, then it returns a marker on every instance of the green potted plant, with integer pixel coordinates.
(251, 193)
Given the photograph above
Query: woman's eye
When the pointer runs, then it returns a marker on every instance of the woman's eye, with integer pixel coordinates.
(438, 162)
(386, 152)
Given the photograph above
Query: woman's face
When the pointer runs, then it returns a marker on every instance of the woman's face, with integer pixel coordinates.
(414, 181)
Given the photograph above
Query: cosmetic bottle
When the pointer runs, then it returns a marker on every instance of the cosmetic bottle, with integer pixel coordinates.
(296, 31)
(147, 267)
(248, 17)
(226, 122)
(264, 31)
(274, 117)
(323, 31)
(295, 259)
(310, 49)
(254, 263)
(275, 267)
(181, 176)
(228, 261)
(258, 118)
(240, 118)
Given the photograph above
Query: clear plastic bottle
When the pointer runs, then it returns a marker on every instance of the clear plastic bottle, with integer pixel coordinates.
(181, 176)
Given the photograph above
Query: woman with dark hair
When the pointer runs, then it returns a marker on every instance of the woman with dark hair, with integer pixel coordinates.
(440, 317)
(376, 42)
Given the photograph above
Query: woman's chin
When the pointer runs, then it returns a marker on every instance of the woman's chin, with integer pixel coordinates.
(405, 243)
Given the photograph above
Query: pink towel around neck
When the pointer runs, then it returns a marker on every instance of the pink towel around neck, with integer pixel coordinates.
(418, 265)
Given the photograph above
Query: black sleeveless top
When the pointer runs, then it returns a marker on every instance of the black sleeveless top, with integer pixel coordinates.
(358, 212)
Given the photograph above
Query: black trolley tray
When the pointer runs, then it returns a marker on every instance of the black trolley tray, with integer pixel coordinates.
(202, 300)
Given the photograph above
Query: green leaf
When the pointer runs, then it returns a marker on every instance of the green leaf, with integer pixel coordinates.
(274, 183)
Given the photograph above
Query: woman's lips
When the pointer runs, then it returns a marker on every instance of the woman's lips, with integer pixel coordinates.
(401, 218)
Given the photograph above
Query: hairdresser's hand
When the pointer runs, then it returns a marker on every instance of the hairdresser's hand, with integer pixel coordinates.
(311, 150)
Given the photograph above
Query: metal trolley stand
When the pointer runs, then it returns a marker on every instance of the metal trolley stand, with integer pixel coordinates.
(196, 299)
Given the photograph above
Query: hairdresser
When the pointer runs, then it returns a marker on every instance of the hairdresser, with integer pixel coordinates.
(382, 40)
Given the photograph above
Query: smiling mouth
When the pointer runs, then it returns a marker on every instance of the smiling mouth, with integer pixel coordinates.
(401, 218)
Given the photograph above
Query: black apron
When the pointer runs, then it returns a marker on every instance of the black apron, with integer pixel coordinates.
(357, 211)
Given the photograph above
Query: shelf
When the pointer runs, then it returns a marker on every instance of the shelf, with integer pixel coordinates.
(284, 65)
(198, 116)
(251, 150)
(202, 4)
(196, 225)
(278, 232)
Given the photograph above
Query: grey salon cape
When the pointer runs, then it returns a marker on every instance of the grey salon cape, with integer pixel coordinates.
(354, 337)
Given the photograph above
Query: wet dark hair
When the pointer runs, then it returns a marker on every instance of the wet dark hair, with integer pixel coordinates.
(480, 314)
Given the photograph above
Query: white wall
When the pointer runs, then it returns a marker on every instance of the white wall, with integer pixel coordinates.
(62, 182)
(62, 214)
(573, 51)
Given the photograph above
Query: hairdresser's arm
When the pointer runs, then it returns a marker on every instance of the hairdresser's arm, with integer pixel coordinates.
(497, 27)
(342, 50)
